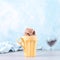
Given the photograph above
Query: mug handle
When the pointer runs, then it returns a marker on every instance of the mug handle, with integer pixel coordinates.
(21, 43)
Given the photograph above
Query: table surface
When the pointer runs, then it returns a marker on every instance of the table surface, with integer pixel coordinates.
(41, 55)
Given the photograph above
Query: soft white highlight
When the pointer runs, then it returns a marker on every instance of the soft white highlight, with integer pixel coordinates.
(8, 18)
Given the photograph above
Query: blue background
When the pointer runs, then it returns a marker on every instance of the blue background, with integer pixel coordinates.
(42, 15)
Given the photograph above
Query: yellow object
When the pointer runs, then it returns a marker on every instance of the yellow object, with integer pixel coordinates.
(29, 45)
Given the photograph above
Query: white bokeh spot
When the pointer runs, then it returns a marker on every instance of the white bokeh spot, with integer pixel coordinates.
(8, 18)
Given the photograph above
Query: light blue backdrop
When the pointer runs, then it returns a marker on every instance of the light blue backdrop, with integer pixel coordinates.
(42, 15)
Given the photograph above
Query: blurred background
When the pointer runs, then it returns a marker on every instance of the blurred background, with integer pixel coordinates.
(41, 15)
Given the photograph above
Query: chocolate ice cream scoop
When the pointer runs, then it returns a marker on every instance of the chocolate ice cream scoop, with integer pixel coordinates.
(29, 32)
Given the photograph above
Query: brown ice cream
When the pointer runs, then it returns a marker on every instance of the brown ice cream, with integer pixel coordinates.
(29, 32)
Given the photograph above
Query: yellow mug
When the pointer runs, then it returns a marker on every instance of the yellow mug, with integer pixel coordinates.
(29, 45)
